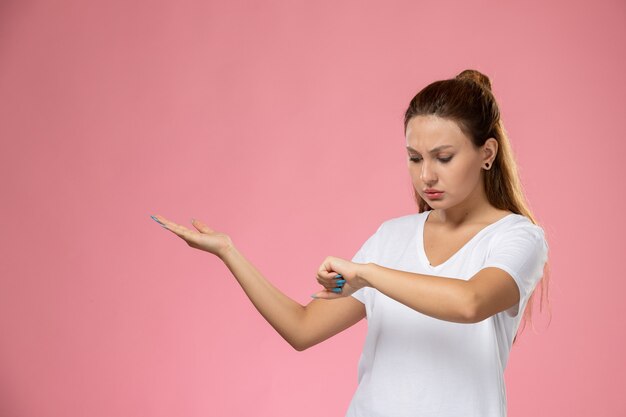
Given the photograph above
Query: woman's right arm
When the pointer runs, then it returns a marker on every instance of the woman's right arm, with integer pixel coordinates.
(301, 326)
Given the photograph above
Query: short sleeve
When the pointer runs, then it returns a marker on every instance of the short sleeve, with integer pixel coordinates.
(364, 255)
(522, 251)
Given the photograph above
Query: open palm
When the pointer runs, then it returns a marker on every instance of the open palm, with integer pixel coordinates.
(204, 238)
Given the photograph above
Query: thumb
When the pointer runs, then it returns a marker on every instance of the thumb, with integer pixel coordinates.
(203, 228)
(328, 295)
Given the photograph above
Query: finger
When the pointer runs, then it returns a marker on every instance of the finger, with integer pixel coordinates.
(160, 220)
(201, 226)
(179, 230)
(322, 273)
(327, 295)
(326, 283)
(333, 281)
(326, 268)
(331, 285)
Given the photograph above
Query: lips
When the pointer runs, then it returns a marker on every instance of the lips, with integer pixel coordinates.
(431, 194)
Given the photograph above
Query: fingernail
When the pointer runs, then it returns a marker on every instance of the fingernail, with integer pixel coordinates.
(156, 220)
(336, 289)
(341, 281)
(314, 296)
(338, 276)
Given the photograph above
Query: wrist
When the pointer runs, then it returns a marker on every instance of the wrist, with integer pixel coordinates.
(364, 274)
(227, 250)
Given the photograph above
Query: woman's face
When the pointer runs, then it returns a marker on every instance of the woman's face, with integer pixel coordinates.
(440, 156)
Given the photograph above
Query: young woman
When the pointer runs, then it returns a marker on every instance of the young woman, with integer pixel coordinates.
(444, 289)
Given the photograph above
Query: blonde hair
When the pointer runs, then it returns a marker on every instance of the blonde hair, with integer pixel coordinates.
(468, 100)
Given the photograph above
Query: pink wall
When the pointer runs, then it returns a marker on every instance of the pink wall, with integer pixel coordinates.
(281, 125)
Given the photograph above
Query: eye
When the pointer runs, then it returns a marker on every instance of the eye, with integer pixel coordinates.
(443, 160)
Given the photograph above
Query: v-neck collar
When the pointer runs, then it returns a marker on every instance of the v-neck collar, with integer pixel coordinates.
(420, 240)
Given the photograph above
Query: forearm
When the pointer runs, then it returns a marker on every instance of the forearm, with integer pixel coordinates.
(439, 297)
(282, 313)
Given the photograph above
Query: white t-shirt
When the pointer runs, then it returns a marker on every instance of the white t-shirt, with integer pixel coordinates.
(419, 366)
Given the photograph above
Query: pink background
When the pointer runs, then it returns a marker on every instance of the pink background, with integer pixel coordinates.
(279, 123)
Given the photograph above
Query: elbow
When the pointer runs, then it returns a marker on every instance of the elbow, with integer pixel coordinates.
(299, 345)
(298, 348)
(471, 311)
(304, 344)
(472, 318)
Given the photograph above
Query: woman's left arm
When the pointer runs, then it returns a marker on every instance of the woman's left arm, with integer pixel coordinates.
(488, 292)
(443, 298)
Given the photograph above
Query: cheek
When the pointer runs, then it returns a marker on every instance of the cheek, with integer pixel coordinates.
(459, 176)
(467, 177)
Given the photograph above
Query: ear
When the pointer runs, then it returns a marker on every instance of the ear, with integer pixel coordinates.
(490, 150)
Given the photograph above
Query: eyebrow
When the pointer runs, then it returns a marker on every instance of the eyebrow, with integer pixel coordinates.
(438, 148)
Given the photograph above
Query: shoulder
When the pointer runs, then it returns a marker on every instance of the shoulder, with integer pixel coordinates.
(404, 223)
(398, 230)
(519, 227)
(520, 222)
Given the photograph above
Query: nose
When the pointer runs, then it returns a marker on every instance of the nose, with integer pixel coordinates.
(428, 175)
